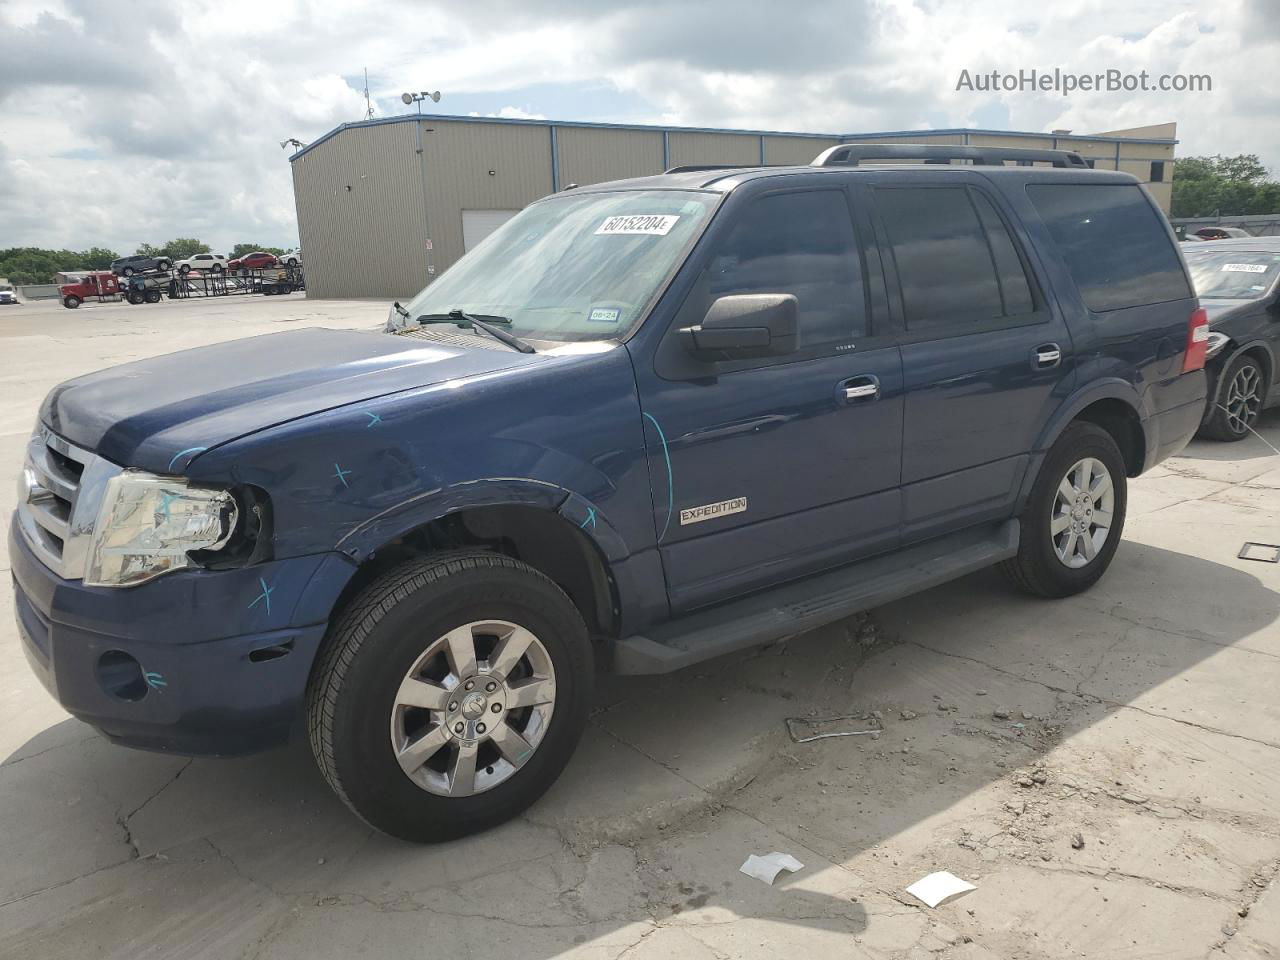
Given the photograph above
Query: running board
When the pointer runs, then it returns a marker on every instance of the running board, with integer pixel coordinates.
(805, 604)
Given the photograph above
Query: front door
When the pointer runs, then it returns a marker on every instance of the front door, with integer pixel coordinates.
(767, 470)
(987, 356)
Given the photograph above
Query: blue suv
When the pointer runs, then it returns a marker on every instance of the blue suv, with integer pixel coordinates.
(643, 424)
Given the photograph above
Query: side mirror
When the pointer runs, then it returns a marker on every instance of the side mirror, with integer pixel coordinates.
(745, 327)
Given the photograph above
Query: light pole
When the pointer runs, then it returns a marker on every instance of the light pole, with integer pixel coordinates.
(408, 98)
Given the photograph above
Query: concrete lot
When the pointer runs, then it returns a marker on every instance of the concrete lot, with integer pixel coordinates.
(1104, 768)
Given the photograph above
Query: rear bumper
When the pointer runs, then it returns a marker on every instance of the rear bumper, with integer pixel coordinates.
(1171, 430)
(205, 688)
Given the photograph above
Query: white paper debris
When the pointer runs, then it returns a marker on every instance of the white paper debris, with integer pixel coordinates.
(768, 867)
(939, 887)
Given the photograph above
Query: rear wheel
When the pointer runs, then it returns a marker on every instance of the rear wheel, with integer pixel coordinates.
(136, 297)
(153, 296)
(127, 272)
(1074, 517)
(217, 268)
(71, 301)
(1241, 390)
(451, 695)
(184, 269)
(163, 265)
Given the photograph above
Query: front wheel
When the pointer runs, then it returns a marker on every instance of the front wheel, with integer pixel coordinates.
(1241, 390)
(163, 265)
(450, 695)
(1074, 517)
(71, 301)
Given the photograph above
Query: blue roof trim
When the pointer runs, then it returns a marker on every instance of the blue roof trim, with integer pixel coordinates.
(662, 128)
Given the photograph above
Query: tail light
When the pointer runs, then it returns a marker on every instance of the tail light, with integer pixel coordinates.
(1197, 341)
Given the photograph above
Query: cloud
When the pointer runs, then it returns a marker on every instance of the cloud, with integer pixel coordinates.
(140, 123)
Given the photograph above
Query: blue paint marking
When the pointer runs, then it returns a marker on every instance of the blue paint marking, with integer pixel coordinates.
(165, 500)
(155, 681)
(373, 419)
(341, 474)
(671, 490)
(183, 453)
(591, 519)
(265, 595)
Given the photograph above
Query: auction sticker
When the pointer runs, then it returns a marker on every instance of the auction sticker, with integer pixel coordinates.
(650, 224)
(1244, 268)
(604, 315)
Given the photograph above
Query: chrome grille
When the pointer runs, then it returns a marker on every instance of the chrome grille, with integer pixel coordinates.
(59, 493)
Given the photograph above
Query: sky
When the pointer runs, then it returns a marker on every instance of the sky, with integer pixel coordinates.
(137, 121)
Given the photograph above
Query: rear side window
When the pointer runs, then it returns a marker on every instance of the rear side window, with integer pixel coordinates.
(1116, 247)
(802, 244)
(956, 262)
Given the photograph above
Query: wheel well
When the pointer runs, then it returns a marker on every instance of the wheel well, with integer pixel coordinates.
(1122, 422)
(544, 540)
(1263, 356)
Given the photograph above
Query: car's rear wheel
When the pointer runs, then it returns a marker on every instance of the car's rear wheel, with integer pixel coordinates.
(450, 695)
(184, 269)
(1074, 517)
(71, 301)
(1242, 388)
(217, 268)
(127, 272)
(163, 264)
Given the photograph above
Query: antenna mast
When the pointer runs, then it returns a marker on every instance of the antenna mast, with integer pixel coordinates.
(368, 104)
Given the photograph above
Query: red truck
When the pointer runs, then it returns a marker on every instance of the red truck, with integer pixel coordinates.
(99, 284)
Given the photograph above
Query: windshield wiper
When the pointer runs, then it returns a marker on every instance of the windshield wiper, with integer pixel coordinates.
(462, 319)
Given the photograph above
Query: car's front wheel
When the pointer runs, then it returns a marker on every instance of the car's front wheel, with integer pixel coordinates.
(1241, 391)
(163, 265)
(450, 695)
(71, 301)
(1071, 526)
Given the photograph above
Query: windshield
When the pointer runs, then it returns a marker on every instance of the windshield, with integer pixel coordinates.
(1232, 274)
(573, 268)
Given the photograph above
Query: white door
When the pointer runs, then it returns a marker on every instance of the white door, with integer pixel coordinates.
(478, 224)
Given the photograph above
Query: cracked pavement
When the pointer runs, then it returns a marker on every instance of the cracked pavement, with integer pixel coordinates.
(1103, 769)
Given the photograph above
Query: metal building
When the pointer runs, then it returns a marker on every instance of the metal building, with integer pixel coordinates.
(384, 205)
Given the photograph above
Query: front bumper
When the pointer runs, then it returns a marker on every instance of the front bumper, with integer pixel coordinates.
(225, 674)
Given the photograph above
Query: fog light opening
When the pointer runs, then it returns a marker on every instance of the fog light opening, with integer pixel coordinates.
(120, 675)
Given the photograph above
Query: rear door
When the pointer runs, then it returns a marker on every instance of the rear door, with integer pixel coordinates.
(767, 470)
(986, 355)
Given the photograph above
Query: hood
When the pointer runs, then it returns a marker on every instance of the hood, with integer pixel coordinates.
(1220, 310)
(143, 414)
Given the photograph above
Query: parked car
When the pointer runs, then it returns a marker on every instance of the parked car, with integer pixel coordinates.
(7, 294)
(292, 258)
(1221, 233)
(128, 266)
(258, 260)
(212, 262)
(1237, 281)
(643, 425)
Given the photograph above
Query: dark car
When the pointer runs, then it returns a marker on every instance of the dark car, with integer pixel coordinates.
(1237, 284)
(1221, 233)
(128, 266)
(258, 260)
(645, 424)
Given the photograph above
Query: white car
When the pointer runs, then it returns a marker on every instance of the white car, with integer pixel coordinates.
(213, 262)
(291, 259)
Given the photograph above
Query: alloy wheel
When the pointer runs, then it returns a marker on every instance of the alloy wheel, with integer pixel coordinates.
(1083, 507)
(473, 708)
(1244, 398)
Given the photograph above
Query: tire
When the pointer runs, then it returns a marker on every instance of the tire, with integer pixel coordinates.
(217, 268)
(184, 269)
(127, 272)
(71, 301)
(135, 297)
(163, 264)
(359, 723)
(1040, 567)
(293, 262)
(1238, 401)
(153, 296)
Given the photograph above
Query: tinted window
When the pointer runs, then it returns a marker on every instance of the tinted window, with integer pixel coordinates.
(1116, 247)
(956, 262)
(802, 244)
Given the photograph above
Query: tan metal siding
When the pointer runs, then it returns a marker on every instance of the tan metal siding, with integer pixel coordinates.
(780, 151)
(590, 155)
(366, 241)
(459, 157)
(714, 148)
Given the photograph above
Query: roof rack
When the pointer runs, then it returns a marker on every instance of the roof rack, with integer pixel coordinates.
(699, 167)
(851, 154)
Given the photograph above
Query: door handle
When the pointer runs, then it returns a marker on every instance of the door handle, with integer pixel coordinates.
(1047, 356)
(862, 389)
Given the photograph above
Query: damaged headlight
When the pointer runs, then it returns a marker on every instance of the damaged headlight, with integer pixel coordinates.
(149, 525)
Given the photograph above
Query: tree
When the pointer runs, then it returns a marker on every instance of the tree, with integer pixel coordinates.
(1224, 186)
(36, 265)
(184, 247)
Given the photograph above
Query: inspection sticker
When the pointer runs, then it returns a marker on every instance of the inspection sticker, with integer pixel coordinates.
(604, 315)
(1244, 268)
(652, 224)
